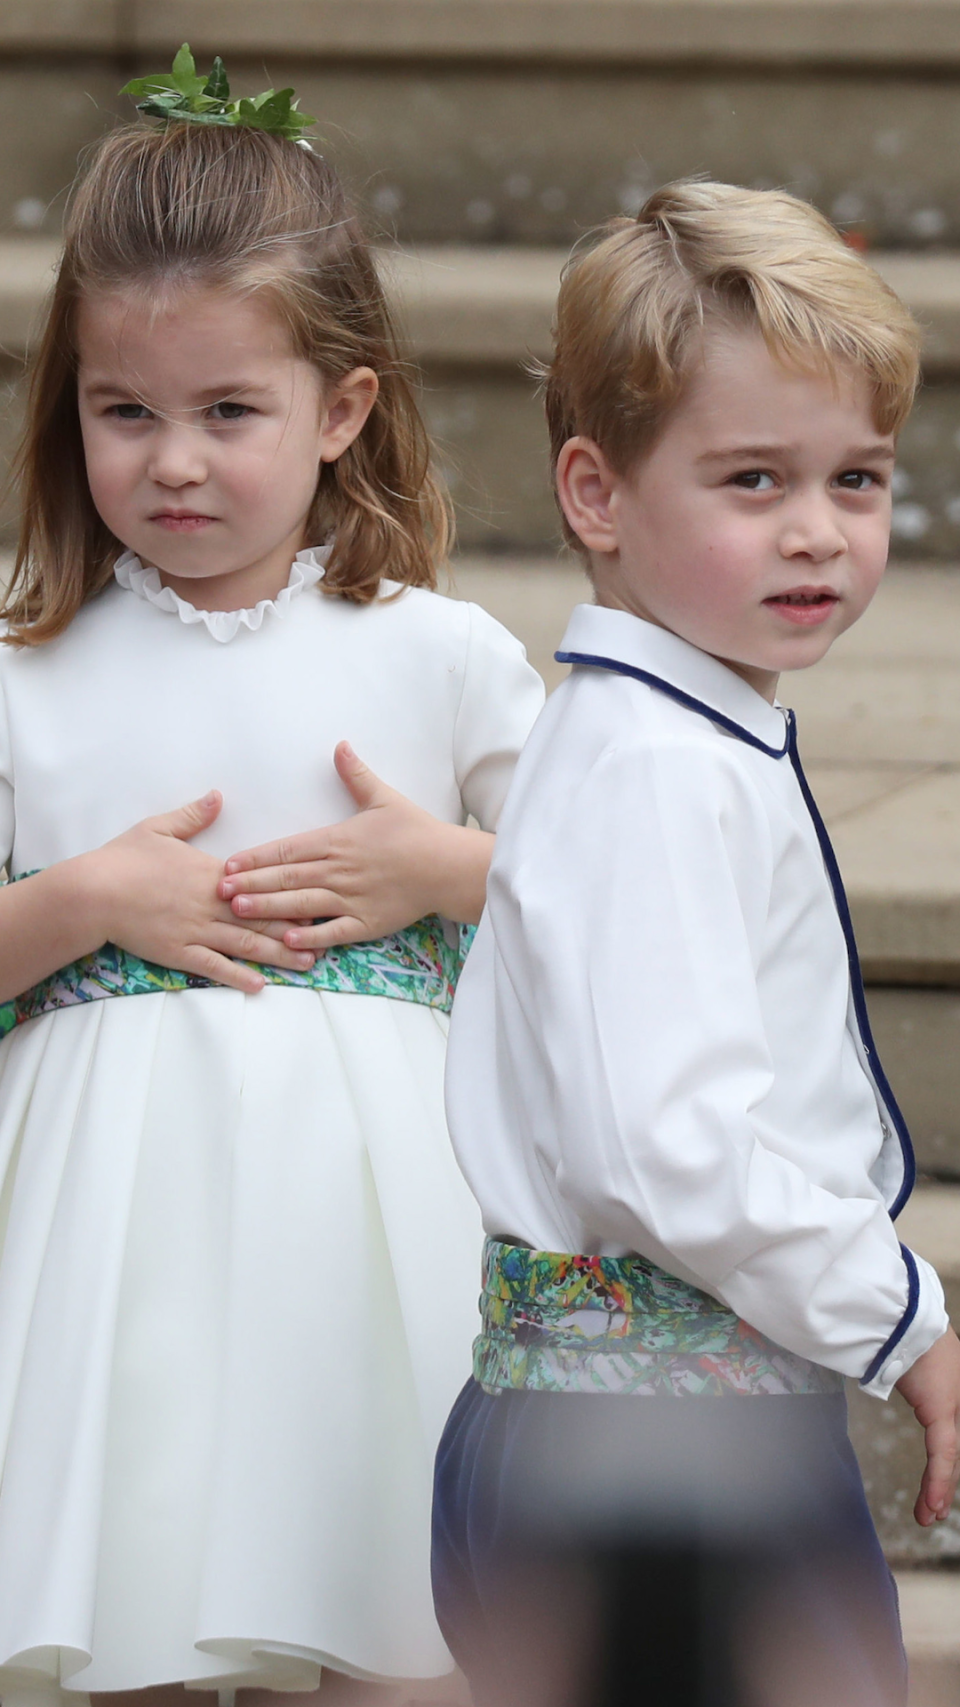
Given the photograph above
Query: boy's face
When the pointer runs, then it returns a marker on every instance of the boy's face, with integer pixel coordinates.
(757, 525)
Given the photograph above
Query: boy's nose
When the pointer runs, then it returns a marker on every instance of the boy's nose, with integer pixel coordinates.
(176, 455)
(812, 530)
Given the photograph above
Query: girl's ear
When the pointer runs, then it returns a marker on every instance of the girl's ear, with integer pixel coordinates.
(344, 411)
(585, 485)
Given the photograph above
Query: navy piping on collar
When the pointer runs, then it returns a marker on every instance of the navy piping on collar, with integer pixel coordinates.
(846, 923)
(678, 694)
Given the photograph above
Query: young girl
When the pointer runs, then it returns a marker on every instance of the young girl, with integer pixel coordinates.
(225, 1359)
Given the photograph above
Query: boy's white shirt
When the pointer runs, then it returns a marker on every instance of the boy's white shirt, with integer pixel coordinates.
(653, 1047)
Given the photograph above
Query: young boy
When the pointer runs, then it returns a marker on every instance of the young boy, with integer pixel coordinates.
(661, 1081)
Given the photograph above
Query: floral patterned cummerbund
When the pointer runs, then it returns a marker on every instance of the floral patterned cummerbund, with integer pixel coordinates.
(420, 964)
(589, 1324)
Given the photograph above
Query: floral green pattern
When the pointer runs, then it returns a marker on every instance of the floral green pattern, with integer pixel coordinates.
(592, 1324)
(420, 964)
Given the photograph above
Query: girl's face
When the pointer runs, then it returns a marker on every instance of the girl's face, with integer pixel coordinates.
(204, 434)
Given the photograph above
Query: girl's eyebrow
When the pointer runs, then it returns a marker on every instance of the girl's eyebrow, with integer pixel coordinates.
(880, 450)
(210, 394)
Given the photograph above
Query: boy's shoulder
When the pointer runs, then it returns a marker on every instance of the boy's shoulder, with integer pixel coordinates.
(637, 686)
(646, 729)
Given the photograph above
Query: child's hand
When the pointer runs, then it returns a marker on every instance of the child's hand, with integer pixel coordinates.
(372, 874)
(932, 1390)
(154, 895)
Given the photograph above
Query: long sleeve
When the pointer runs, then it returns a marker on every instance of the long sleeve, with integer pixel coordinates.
(502, 698)
(646, 922)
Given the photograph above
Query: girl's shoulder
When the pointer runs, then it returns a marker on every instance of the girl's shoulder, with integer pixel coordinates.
(439, 613)
(91, 630)
(434, 619)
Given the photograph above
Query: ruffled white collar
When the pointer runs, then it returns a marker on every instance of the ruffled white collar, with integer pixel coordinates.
(306, 570)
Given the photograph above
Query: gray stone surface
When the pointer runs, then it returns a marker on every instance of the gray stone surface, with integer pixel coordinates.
(752, 31)
(524, 154)
(482, 141)
(755, 32)
(918, 1036)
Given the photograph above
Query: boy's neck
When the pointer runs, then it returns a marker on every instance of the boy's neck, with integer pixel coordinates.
(763, 682)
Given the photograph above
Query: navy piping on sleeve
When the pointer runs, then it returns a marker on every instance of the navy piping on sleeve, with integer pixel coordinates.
(913, 1299)
(846, 923)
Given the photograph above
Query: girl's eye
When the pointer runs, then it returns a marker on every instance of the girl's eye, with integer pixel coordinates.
(230, 411)
(857, 480)
(754, 480)
(129, 411)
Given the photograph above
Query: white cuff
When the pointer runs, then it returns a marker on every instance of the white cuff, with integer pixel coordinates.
(924, 1326)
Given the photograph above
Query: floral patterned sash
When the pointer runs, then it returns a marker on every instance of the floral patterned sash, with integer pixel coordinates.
(420, 964)
(588, 1324)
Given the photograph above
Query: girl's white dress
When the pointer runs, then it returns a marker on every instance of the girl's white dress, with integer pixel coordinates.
(239, 1265)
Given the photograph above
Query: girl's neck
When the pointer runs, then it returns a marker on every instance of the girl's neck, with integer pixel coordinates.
(237, 589)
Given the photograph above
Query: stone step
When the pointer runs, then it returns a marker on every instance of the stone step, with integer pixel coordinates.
(530, 120)
(476, 318)
(811, 32)
(493, 307)
(918, 33)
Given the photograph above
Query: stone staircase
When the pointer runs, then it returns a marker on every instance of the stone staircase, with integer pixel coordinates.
(483, 137)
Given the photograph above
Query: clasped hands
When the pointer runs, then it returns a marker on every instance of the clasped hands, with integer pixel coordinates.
(285, 903)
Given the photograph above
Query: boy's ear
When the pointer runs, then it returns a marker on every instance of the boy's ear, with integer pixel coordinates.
(585, 485)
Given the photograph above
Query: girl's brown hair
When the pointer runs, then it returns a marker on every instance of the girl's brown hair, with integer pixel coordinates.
(636, 297)
(244, 211)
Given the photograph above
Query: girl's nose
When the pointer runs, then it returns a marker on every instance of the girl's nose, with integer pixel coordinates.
(177, 455)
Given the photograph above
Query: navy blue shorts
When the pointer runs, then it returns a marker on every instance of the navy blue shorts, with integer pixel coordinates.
(601, 1550)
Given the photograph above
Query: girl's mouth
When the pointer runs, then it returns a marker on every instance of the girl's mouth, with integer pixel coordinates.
(806, 606)
(181, 523)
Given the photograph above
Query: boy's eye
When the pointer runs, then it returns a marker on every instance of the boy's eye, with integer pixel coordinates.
(857, 480)
(754, 480)
(227, 411)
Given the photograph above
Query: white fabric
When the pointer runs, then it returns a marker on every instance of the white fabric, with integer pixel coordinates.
(652, 1047)
(239, 1265)
(306, 571)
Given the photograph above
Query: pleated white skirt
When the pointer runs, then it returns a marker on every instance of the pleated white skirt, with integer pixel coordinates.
(238, 1289)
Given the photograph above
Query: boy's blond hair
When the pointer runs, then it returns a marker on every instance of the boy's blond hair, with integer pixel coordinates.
(635, 299)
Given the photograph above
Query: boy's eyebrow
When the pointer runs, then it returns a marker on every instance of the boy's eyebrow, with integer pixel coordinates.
(879, 451)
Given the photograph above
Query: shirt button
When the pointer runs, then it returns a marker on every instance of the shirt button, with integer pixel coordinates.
(895, 1368)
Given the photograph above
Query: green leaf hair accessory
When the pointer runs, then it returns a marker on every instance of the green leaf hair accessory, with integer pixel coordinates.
(183, 95)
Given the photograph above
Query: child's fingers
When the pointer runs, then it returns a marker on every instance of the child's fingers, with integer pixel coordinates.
(276, 929)
(273, 880)
(367, 788)
(332, 933)
(289, 850)
(307, 904)
(939, 1485)
(187, 821)
(242, 943)
(207, 963)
